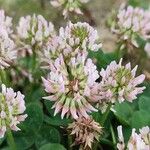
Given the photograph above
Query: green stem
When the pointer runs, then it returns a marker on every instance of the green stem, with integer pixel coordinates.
(113, 136)
(3, 76)
(105, 115)
(104, 118)
(10, 140)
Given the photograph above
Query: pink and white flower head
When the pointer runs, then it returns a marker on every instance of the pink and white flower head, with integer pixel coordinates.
(8, 52)
(80, 36)
(133, 22)
(69, 86)
(12, 107)
(86, 131)
(34, 31)
(73, 39)
(68, 6)
(119, 83)
(5, 22)
(136, 141)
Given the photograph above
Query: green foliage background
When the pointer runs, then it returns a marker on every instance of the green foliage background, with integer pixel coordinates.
(41, 130)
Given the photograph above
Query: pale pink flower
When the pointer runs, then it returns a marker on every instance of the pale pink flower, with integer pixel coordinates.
(80, 35)
(34, 31)
(68, 6)
(12, 107)
(7, 45)
(70, 84)
(120, 83)
(85, 131)
(8, 52)
(131, 23)
(136, 141)
(71, 40)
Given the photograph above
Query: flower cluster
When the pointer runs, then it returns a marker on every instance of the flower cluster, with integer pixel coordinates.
(132, 23)
(7, 45)
(71, 40)
(85, 131)
(119, 83)
(69, 6)
(72, 81)
(70, 86)
(12, 107)
(137, 141)
(34, 32)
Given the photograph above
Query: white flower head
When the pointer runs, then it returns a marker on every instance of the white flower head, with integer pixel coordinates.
(71, 40)
(34, 31)
(120, 83)
(69, 86)
(132, 23)
(8, 52)
(12, 107)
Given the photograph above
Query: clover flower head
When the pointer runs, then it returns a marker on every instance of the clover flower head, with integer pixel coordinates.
(119, 82)
(12, 107)
(80, 35)
(68, 6)
(5, 22)
(136, 141)
(7, 49)
(131, 23)
(71, 40)
(69, 86)
(86, 131)
(34, 31)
